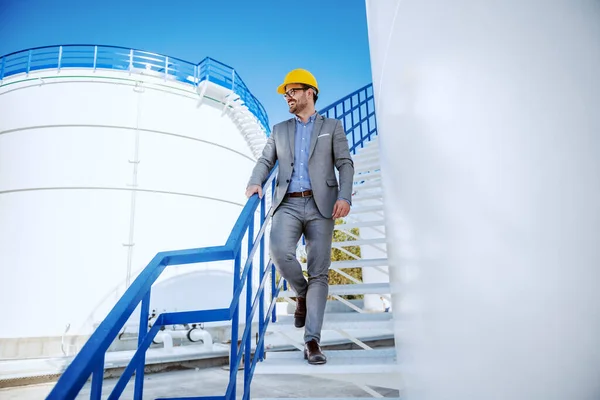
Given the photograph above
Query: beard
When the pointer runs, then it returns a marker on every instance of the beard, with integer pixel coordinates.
(296, 106)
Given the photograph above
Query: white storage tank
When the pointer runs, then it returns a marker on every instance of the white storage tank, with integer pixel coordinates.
(108, 156)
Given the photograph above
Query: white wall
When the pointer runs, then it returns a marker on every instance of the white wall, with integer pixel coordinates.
(62, 249)
(489, 122)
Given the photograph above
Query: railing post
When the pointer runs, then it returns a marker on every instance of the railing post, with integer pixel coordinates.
(261, 306)
(166, 67)
(248, 323)
(130, 60)
(28, 62)
(235, 322)
(196, 80)
(60, 53)
(142, 332)
(207, 70)
(273, 275)
(97, 378)
(95, 57)
(2, 69)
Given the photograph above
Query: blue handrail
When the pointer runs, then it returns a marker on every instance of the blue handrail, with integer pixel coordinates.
(135, 61)
(90, 360)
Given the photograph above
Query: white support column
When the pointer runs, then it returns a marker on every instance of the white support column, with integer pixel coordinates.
(490, 151)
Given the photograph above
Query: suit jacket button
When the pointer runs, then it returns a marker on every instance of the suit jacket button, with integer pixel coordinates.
(292, 164)
(287, 181)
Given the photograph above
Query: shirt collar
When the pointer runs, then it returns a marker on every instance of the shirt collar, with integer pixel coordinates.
(310, 119)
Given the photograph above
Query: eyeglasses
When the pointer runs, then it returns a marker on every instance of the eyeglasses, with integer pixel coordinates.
(292, 92)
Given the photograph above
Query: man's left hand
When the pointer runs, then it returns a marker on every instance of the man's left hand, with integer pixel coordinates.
(340, 209)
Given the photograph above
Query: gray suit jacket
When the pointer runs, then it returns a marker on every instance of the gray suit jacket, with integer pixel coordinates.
(328, 149)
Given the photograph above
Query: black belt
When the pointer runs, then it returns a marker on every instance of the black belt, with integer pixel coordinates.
(306, 193)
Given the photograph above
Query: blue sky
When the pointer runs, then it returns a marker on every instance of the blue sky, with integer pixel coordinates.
(262, 40)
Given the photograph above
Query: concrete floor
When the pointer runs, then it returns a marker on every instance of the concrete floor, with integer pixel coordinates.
(212, 382)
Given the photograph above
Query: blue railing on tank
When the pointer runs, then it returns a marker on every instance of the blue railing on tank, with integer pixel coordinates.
(358, 114)
(124, 59)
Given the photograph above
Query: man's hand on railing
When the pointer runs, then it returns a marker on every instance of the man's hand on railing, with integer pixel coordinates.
(250, 190)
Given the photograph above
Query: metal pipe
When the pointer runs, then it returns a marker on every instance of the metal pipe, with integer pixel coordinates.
(134, 184)
(166, 338)
(197, 334)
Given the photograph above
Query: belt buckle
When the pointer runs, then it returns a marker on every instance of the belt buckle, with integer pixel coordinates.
(302, 194)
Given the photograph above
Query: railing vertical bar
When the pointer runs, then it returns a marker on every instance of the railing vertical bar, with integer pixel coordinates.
(97, 378)
(248, 320)
(95, 57)
(60, 53)
(28, 62)
(273, 275)
(143, 331)
(130, 60)
(261, 307)
(2, 69)
(196, 80)
(233, 366)
(166, 67)
(374, 117)
(207, 70)
(273, 288)
(368, 119)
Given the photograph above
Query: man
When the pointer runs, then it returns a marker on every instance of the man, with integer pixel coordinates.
(307, 199)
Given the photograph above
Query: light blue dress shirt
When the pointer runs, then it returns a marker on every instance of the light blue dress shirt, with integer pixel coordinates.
(300, 180)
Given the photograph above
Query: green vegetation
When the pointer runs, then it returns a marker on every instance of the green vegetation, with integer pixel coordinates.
(342, 255)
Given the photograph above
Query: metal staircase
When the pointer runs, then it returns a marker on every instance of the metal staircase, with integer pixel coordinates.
(255, 274)
(365, 366)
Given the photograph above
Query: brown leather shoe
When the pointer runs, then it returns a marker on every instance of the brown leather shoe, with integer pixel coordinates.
(313, 353)
(300, 313)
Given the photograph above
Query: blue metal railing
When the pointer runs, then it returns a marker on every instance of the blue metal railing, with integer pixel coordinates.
(134, 61)
(357, 113)
(90, 360)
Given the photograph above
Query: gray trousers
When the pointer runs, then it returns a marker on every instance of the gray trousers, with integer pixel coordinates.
(296, 216)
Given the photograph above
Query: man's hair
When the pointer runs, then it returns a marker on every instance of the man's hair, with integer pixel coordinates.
(315, 95)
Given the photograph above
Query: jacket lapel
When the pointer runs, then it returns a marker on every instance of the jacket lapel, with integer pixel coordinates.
(291, 132)
(315, 134)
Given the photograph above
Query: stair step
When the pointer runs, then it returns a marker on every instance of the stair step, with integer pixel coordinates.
(373, 262)
(360, 224)
(360, 263)
(358, 197)
(338, 362)
(367, 175)
(344, 320)
(369, 149)
(354, 288)
(367, 209)
(365, 158)
(361, 172)
(366, 165)
(367, 185)
(359, 242)
(324, 398)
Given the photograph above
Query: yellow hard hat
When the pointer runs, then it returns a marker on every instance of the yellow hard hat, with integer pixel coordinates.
(298, 76)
